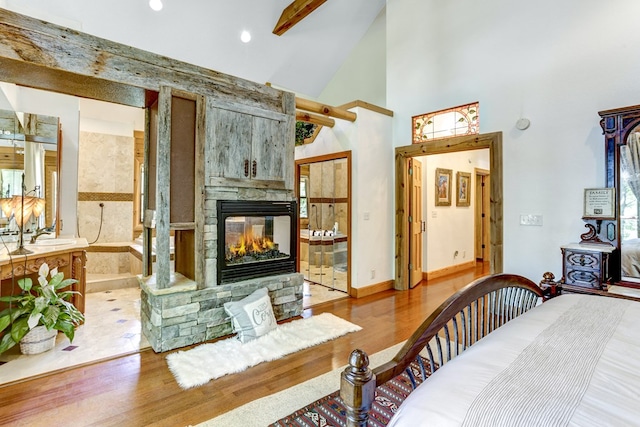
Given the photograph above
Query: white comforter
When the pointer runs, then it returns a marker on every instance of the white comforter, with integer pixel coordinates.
(574, 360)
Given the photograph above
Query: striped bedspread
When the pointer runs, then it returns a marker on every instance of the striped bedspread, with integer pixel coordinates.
(573, 361)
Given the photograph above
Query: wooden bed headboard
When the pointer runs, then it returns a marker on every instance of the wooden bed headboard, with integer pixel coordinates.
(463, 319)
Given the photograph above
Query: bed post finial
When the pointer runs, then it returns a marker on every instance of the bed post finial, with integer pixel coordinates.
(550, 288)
(357, 388)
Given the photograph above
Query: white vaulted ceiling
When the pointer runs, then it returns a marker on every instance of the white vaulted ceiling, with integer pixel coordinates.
(207, 33)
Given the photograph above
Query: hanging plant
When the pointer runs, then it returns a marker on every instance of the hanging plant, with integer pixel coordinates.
(304, 130)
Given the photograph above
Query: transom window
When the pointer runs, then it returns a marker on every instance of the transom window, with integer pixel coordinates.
(456, 121)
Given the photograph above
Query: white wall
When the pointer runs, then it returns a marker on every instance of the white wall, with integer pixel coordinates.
(371, 193)
(557, 63)
(449, 229)
(368, 63)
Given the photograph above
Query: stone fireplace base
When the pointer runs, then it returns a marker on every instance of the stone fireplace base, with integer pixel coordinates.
(183, 315)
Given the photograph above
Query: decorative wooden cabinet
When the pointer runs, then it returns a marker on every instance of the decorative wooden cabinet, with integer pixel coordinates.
(585, 265)
(250, 149)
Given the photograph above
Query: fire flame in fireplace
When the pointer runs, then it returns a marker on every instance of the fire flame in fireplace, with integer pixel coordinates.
(250, 245)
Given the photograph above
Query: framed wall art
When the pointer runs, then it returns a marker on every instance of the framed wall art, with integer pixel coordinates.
(443, 187)
(463, 187)
(599, 203)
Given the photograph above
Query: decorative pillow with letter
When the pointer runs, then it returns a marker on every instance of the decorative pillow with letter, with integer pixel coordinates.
(252, 316)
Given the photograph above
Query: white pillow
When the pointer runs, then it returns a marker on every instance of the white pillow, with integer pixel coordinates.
(252, 316)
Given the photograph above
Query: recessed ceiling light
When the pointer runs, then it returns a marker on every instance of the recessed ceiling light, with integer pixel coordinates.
(155, 5)
(245, 36)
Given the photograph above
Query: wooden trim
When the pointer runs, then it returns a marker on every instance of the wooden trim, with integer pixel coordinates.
(109, 248)
(317, 107)
(365, 291)
(492, 141)
(304, 116)
(105, 197)
(200, 179)
(294, 13)
(434, 274)
(328, 200)
(368, 106)
(163, 193)
(182, 226)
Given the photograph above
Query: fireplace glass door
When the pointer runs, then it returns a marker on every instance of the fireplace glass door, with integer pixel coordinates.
(256, 239)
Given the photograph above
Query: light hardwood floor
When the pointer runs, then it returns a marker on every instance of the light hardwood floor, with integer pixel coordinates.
(139, 389)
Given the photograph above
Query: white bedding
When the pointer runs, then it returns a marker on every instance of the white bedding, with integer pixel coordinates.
(550, 372)
(630, 257)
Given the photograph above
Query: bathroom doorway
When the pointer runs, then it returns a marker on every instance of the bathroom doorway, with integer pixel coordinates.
(324, 196)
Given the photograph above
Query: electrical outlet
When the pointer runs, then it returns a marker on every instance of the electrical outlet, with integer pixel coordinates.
(464, 254)
(366, 216)
(373, 274)
(529, 219)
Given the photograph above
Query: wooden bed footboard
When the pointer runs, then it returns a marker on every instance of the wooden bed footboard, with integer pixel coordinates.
(460, 321)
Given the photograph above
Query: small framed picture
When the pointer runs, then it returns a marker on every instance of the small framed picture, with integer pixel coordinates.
(463, 184)
(443, 187)
(599, 203)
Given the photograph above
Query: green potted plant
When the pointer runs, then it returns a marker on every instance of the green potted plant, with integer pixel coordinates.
(41, 309)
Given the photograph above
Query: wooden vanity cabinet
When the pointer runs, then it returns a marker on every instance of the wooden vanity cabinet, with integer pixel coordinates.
(70, 261)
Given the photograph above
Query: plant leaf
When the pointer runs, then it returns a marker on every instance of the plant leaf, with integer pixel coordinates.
(67, 328)
(56, 279)
(6, 343)
(51, 315)
(43, 271)
(33, 320)
(19, 329)
(5, 320)
(65, 283)
(40, 304)
(25, 284)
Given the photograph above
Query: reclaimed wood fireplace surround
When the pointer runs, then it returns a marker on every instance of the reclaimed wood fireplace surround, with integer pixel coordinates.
(209, 137)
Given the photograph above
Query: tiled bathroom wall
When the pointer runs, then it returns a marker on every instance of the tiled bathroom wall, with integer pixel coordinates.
(105, 176)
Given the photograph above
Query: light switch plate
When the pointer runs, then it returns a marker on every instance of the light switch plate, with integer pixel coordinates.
(530, 219)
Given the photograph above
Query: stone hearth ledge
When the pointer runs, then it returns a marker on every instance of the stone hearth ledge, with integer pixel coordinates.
(182, 315)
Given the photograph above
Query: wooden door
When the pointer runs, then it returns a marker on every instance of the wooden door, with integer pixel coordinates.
(229, 156)
(415, 222)
(482, 216)
(268, 149)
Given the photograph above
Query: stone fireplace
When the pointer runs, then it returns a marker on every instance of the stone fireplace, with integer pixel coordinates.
(183, 314)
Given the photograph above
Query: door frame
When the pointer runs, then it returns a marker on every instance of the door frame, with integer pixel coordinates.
(322, 158)
(492, 141)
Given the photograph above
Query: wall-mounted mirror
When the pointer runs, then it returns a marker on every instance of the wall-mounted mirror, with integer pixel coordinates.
(29, 145)
(622, 138)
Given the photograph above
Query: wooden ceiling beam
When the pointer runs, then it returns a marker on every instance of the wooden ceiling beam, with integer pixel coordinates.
(317, 107)
(316, 119)
(294, 13)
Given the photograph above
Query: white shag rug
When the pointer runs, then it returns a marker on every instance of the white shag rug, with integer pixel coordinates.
(206, 362)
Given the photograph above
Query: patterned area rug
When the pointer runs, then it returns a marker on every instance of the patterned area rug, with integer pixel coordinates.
(329, 411)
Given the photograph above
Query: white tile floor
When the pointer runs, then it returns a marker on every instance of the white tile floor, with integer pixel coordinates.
(111, 329)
